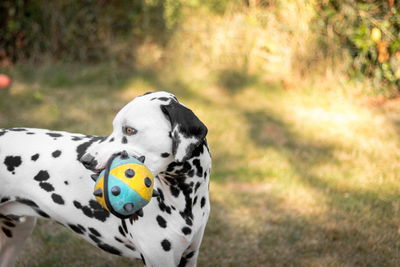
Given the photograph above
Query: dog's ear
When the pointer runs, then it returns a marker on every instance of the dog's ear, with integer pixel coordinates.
(187, 130)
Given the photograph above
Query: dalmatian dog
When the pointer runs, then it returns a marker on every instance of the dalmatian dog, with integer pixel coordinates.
(47, 174)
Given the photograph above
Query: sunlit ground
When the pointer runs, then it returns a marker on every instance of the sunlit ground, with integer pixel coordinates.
(301, 177)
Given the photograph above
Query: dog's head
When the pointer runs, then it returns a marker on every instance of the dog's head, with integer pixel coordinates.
(154, 126)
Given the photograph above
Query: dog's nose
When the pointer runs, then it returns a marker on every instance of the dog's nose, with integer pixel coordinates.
(88, 161)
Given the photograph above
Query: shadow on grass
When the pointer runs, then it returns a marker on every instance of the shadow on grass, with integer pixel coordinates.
(350, 231)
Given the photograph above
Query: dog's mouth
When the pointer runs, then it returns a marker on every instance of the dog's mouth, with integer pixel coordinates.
(91, 163)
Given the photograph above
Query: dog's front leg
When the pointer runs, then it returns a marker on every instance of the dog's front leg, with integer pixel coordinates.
(12, 238)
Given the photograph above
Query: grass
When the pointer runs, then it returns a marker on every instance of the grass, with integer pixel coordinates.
(304, 176)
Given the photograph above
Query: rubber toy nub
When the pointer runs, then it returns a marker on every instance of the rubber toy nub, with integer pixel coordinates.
(125, 186)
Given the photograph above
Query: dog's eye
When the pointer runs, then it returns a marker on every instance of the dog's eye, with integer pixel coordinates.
(129, 130)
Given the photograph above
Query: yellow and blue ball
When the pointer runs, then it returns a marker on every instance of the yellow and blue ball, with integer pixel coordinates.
(125, 186)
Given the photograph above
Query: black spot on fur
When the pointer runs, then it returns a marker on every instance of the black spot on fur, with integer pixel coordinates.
(124, 140)
(166, 245)
(57, 199)
(124, 226)
(77, 204)
(76, 138)
(161, 221)
(165, 155)
(4, 199)
(196, 187)
(94, 238)
(202, 202)
(66, 182)
(55, 135)
(141, 256)
(42, 213)
(174, 191)
(56, 154)
(118, 240)
(94, 231)
(186, 230)
(17, 129)
(81, 149)
(27, 202)
(35, 157)
(111, 140)
(94, 210)
(9, 224)
(77, 228)
(197, 164)
(12, 162)
(41, 176)
(109, 249)
(189, 255)
(182, 262)
(130, 247)
(121, 231)
(30, 133)
(7, 232)
(46, 186)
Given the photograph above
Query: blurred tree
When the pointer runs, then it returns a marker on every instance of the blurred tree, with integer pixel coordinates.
(86, 30)
(371, 32)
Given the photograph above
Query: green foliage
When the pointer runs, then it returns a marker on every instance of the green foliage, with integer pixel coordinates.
(369, 30)
(84, 30)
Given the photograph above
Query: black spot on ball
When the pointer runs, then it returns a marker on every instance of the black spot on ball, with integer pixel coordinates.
(35, 157)
(166, 245)
(161, 221)
(186, 230)
(129, 173)
(41, 176)
(57, 199)
(12, 162)
(115, 190)
(128, 207)
(165, 155)
(56, 154)
(147, 182)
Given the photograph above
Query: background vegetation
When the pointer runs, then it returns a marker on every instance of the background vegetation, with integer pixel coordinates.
(300, 98)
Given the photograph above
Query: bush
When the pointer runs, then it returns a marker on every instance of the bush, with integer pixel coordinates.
(370, 32)
(86, 30)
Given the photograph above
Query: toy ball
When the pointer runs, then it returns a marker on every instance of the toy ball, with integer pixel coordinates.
(5, 81)
(125, 186)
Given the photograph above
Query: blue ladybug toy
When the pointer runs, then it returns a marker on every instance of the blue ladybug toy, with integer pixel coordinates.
(125, 186)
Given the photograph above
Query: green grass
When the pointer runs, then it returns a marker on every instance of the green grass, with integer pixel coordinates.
(301, 177)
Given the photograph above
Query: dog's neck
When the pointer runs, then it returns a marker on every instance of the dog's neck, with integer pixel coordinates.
(182, 185)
